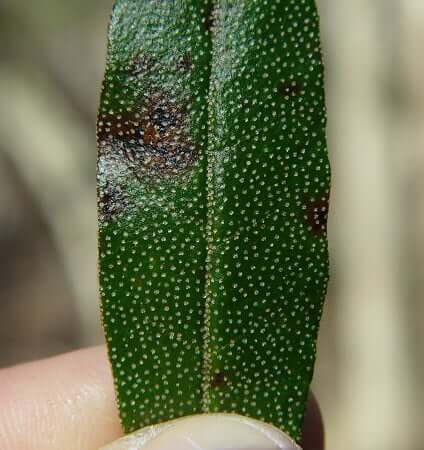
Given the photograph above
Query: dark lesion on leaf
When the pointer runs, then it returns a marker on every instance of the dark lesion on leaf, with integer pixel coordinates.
(142, 64)
(289, 88)
(111, 201)
(121, 126)
(220, 378)
(154, 140)
(316, 214)
(185, 62)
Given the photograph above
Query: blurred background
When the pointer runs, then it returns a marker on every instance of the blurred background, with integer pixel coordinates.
(370, 362)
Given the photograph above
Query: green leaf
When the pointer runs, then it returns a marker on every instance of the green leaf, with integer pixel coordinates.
(213, 182)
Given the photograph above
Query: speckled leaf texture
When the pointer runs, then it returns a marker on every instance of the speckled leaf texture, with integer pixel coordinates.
(213, 186)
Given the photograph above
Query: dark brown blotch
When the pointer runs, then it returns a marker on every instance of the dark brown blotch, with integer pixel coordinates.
(289, 88)
(154, 140)
(185, 63)
(316, 215)
(142, 63)
(111, 201)
(124, 127)
(220, 378)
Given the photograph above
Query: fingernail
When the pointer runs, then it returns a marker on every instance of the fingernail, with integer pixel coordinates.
(207, 432)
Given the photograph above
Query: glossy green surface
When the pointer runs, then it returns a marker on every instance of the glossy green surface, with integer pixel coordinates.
(213, 182)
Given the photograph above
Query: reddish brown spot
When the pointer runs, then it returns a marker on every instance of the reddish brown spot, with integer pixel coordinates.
(153, 140)
(104, 201)
(220, 378)
(289, 88)
(125, 127)
(185, 63)
(149, 135)
(110, 202)
(316, 214)
(141, 64)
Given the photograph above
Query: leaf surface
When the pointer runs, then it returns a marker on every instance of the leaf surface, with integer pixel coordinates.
(213, 183)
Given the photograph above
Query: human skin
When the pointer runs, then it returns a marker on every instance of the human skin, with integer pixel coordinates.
(68, 402)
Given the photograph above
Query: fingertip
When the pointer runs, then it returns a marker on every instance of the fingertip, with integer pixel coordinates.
(215, 431)
(63, 402)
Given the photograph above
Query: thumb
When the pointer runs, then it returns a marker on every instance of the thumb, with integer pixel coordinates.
(207, 432)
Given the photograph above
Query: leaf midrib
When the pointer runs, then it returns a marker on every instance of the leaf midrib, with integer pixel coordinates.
(207, 364)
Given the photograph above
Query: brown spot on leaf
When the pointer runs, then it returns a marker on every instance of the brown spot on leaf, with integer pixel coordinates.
(289, 88)
(104, 201)
(220, 378)
(149, 135)
(125, 127)
(110, 201)
(154, 140)
(141, 64)
(316, 214)
(185, 62)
